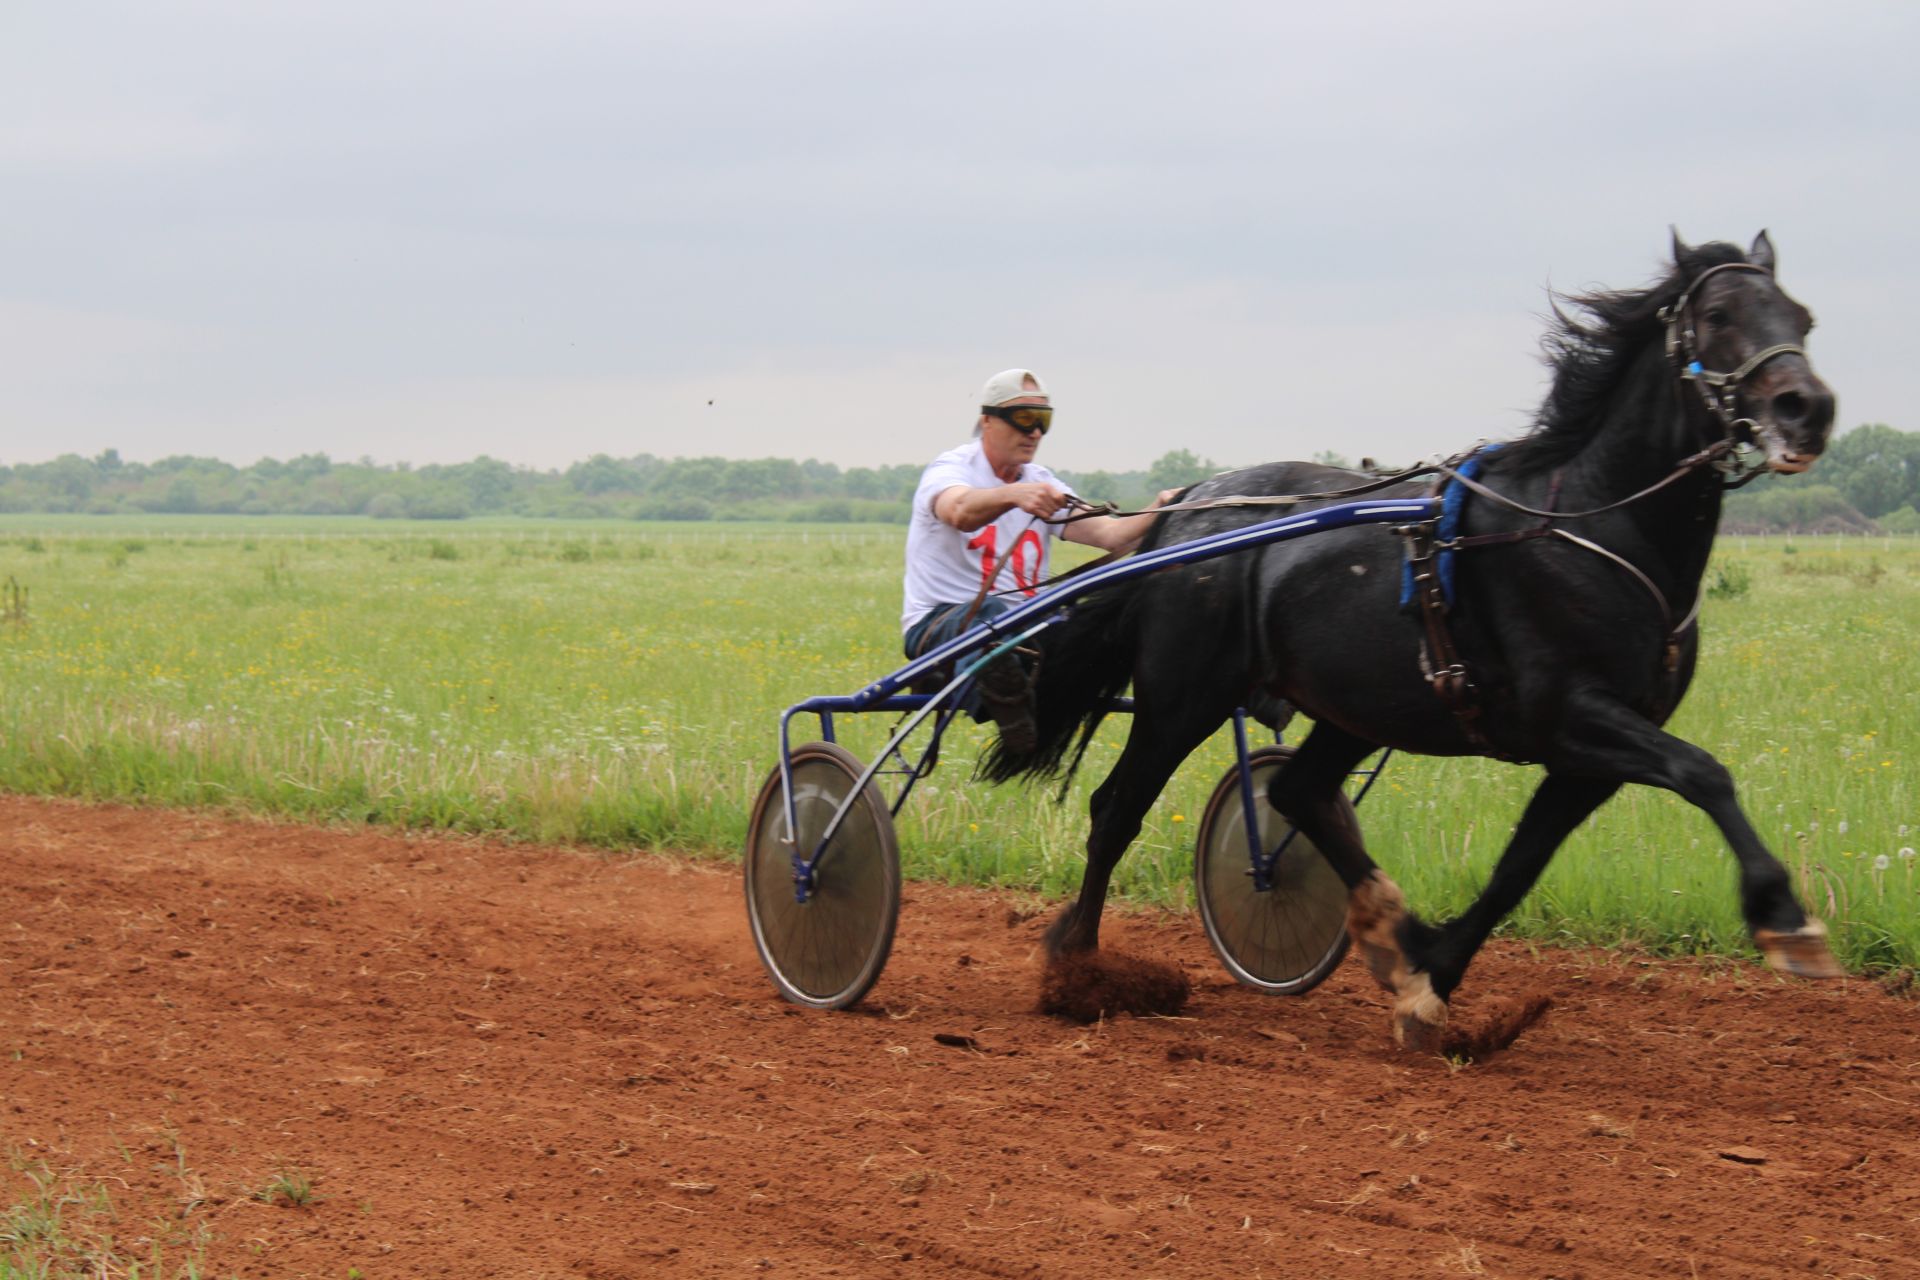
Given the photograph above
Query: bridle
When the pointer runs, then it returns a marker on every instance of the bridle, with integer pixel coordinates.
(1720, 392)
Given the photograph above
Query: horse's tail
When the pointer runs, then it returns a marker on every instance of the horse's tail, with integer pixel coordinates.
(1086, 660)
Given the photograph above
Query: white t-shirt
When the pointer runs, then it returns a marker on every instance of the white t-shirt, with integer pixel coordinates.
(944, 565)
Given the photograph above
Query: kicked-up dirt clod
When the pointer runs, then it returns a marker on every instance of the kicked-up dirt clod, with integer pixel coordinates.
(1091, 985)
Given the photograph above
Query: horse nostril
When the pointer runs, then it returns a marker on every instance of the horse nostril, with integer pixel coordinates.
(1789, 408)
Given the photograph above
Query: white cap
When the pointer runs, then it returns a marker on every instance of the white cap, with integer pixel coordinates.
(1008, 384)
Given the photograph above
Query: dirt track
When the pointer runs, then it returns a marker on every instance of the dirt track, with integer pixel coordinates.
(527, 1062)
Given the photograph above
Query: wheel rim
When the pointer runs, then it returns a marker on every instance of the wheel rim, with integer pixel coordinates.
(1288, 938)
(828, 950)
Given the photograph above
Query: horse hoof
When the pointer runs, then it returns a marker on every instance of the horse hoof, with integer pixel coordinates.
(1419, 1017)
(1375, 909)
(1801, 952)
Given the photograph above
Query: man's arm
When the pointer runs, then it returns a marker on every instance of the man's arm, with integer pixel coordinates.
(1117, 534)
(967, 508)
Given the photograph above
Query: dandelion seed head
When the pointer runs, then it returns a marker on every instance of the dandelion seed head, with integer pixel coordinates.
(1881, 862)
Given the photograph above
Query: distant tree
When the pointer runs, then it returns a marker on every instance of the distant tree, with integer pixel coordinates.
(759, 478)
(701, 478)
(69, 475)
(819, 477)
(489, 483)
(1905, 520)
(183, 496)
(1178, 469)
(1876, 467)
(441, 502)
(309, 466)
(601, 474)
(1807, 509)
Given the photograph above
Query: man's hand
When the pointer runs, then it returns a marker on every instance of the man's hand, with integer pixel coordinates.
(1035, 499)
(1119, 534)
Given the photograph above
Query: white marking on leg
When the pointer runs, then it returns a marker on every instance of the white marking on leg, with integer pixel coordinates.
(1375, 909)
(1802, 952)
(1419, 1016)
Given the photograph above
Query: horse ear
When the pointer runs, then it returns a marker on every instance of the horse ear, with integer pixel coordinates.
(1682, 251)
(1761, 254)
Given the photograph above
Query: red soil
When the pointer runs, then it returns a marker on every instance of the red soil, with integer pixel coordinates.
(514, 1061)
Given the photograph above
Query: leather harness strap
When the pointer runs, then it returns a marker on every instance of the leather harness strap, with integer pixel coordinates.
(1440, 662)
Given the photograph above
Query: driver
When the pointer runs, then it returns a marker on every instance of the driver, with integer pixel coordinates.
(978, 529)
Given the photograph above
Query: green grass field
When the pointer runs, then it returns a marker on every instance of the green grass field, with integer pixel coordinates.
(619, 685)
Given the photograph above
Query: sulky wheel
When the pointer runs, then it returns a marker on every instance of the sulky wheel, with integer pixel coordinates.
(1286, 939)
(824, 952)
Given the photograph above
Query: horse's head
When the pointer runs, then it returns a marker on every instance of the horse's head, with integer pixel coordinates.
(1739, 338)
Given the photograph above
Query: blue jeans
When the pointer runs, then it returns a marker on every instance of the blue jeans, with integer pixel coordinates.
(944, 621)
(942, 625)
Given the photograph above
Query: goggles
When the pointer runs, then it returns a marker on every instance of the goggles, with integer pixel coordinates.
(1027, 419)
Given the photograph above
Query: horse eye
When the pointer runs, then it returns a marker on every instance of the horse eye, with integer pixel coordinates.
(1717, 317)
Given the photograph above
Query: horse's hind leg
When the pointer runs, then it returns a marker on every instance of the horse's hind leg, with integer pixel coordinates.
(1155, 747)
(1307, 794)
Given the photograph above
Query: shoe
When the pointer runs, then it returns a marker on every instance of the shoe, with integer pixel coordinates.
(1008, 695)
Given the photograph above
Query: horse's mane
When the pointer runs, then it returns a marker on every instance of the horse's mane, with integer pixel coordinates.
(1591, 343)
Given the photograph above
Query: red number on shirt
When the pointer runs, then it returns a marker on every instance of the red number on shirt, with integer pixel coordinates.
(984, 541)
(1024, 559)
(1026, 573)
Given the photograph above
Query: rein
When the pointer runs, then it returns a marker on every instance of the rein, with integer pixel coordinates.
(1084, 510)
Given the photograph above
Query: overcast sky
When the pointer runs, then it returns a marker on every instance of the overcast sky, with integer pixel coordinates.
(428, 231)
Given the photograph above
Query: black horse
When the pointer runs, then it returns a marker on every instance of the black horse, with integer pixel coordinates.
(1567, 648)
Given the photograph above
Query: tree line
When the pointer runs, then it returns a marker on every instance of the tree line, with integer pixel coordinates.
(643, 487)
(1869, 480)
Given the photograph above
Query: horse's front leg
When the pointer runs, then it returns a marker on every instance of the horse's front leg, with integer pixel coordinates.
(1614, 741)
(1436, 956)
